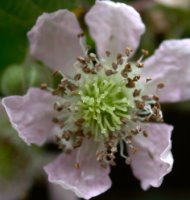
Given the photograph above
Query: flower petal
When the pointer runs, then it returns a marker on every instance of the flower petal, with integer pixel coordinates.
(153, 159)
(171, 65)
(114, 26)
(58, 193)
(31, 115)
(88, 181)
(53, 39)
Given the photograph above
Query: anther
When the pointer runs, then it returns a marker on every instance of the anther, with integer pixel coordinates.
(156, 98)
(43, 86)
(136, 78)
(61, 88)
(78, 142)
(79, 133)
(128, 51)
(79, 122)
(136, 92)
(144, 52)
(108, 53)
(134, 131)
(58, 106)
(77, 77)
(55, 120)
(71, 86)
(146, 97)
(119, 56)
(98, 66)
(128, 68)
(124, 120)
(92, 56)
(114, 66)
(145, 134)
(119, 59)
(77, 165)
(86, 69)
(160, 85)
(124, 73)
(80, 35)
(148, 79)
(61, 124)
(109, 72)
(140, 64)
(140, 104)
(131, 83)
(87, 59)
(66, 135)
(55, 73)
(61, 146)
(57, 139)
(81, 59)
(64, 82)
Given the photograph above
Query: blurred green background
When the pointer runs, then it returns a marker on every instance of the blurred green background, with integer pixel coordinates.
(162, 22)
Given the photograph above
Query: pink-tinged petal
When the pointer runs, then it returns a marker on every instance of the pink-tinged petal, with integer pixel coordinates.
(58, 193)
(153, 159)
(88, 181)
(31, 115)
(171, 65)
(53, 39)
(114, 26)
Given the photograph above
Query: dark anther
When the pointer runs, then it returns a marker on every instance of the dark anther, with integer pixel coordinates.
(136, 78)
(131, 83)
(109, 72)
(108, 53)
(160, 85)
(128, 51)
(114, 66)
(136, 92)
(43, 86)
(77, 77)
(144, 52)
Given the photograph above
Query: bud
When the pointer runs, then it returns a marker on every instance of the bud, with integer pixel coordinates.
(16, 79)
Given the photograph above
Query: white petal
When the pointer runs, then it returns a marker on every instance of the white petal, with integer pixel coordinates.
(114, 26)
(171, 65)
(31, 115)
(88, 181)
(153, 159)
(53, 40)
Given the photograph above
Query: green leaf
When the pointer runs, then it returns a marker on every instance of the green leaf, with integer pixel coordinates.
(16, 19)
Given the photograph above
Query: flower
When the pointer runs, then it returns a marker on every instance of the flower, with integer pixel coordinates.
(19, 165)
(16, 171)
(102, 101)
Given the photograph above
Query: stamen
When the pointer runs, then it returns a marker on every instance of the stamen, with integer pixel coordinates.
(82, 43)
(128, 51)
(148, 79)
(43, 86)
(161, 85)
(108, 53)
(114, 66)
(103, 102)
(131, 83)
(77, 77)
(122, 150)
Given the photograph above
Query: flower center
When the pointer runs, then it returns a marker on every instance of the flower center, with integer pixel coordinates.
(104, 102)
